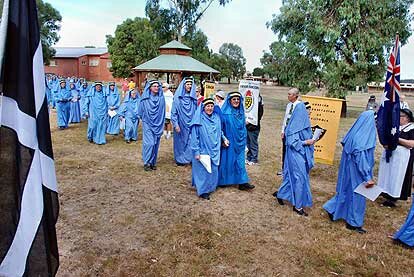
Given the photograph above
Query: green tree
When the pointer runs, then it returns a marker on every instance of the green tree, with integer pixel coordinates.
(180, 18)
(233, 54)
(348, 40)
(220, 63)
(49, 22)
(258, 71)
(198, 42)
(134, 43)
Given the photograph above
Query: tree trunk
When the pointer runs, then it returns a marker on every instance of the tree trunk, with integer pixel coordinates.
(344, 109)
(228, 80)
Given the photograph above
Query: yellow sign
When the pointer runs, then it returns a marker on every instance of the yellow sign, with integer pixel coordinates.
(325, 114)
(209, 89)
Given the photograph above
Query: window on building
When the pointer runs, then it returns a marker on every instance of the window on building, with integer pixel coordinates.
(53, 63)
(108, 64)
(83, 63)
(93, 62)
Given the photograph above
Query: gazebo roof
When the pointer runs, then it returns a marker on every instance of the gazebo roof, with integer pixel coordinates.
(174, 63)
(175, 45)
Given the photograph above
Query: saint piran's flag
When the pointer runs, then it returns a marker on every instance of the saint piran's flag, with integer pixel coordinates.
(388, 118)
(28, 189)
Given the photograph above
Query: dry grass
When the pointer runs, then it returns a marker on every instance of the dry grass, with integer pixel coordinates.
(117, 220)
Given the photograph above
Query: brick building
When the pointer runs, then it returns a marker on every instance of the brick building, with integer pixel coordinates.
(84, 62)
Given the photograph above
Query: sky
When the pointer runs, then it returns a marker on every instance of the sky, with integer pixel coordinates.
(88, 23)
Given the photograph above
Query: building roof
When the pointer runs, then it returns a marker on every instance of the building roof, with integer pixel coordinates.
(175, 45)
(76, 52)
(174, 63)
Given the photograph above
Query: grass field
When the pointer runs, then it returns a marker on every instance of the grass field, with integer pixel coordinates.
(118, 220)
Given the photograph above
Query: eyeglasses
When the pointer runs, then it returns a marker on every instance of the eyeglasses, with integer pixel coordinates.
(235, 99)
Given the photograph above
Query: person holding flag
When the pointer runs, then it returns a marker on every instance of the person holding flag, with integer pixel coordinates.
(28, 190)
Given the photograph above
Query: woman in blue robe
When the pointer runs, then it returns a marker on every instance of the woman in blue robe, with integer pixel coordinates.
(75, 115)
(114, 101)
(129, 111)
(295, 187)
(205, 139)
(96, 110)
(232, 169)
(83, 92)
(54, 85)
(356, 167)
(151, 111)
(183, 109)
(406, 234)
(63, 98)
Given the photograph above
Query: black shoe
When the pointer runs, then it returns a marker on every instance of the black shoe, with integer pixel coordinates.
(147, 167)
(279, 173)
(357, 229)
(180, 164)
(153, 167)
(330, 216)
(90, 140)
(205, 196)
(389, 203)
(279, 200)
(300, 212)
(128, 141)
(246, 186)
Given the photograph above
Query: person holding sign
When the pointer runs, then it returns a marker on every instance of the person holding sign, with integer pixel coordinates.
(232, 169)
(295, 187)
(183, 109)
(253, 136)
(206, 136)
(356, 168)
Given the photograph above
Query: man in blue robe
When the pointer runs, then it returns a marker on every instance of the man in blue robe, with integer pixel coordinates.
(83, 92)
(63, 97)
(75, 115)
(129, 111)
(96, 110)
(114, 101)
(183, 109)
(151, 110)
(232, 169)
(206, 136)
(357, 163)
(406, 234)
(295, 187)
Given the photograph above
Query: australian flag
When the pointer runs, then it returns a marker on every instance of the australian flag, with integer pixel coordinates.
(28, 189)
(388, 119)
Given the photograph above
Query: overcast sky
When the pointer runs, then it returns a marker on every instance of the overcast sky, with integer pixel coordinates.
(88, 22)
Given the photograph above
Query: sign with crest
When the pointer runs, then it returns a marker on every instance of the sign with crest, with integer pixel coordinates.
(250, 92)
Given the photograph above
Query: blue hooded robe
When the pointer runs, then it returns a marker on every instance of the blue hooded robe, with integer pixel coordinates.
(406, 233)
(83, 92)
(129, 110)
(97, 109)
(151, 110)
(63, 97)
(356, 167)
(183, 109)
(205, 139)
(54, 85)
(114, 101)
(232, 169)
(75, 114)
(298, 162)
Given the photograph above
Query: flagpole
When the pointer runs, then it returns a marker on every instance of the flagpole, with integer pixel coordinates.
(3, 34)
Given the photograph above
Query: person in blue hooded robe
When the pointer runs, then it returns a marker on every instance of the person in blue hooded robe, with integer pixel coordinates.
(205, 139)
(63, 97)
(129, 111)
(96, 110)
(75, 114)
(151, 111)
(183, 109)
(356, 167)
(406, 233)
(295, 187)
(114, 101)
(54, 85)
(232, 169)
(83, 92)
(48, 89)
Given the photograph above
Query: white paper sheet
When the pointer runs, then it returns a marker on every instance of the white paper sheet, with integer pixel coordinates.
(111, 113)
(205, 160)
(369, 193)
(317, 134)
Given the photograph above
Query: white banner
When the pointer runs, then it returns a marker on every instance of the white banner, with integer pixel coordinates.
(250, 91)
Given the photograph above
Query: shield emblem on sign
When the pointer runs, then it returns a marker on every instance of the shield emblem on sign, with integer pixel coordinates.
(248, 101)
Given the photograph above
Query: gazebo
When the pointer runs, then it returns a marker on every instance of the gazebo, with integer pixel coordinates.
(174, 58)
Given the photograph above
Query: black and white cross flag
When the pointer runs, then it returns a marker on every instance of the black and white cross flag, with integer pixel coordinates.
(28, 190)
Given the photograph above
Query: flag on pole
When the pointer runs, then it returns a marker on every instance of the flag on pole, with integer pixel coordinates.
(28, 189)
(388, 119)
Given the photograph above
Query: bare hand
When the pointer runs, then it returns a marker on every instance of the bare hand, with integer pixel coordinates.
(282, 135)
(309, 142)
(197, 157)
(370, 184)
(177, 129)
(226, 143)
